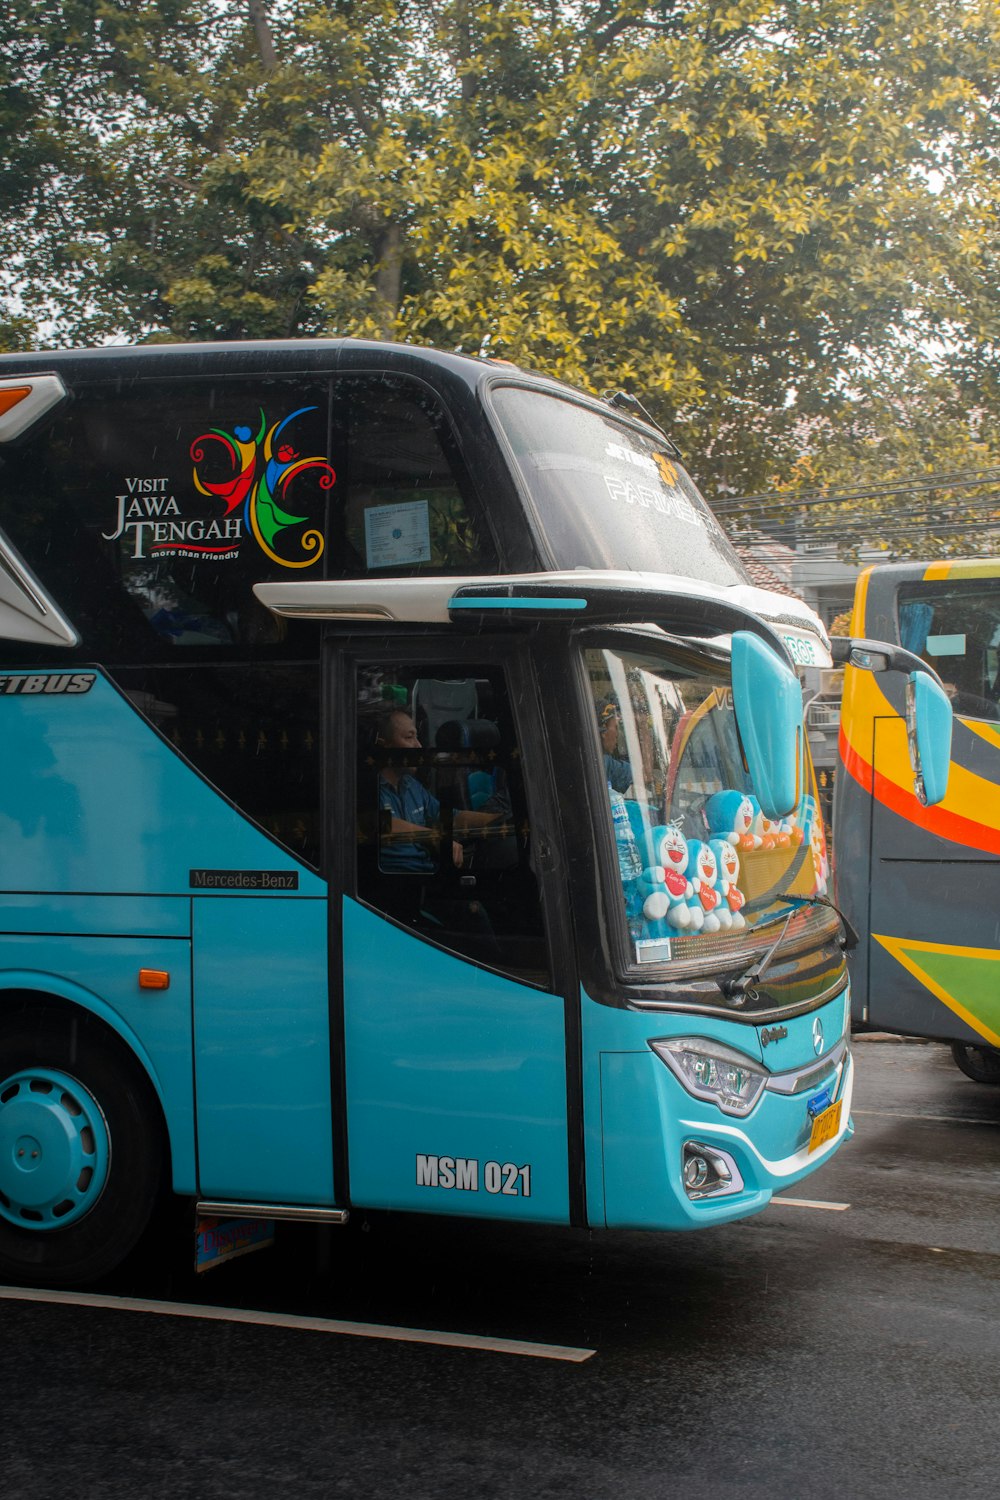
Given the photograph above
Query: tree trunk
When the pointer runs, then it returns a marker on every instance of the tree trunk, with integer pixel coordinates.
(388, 276)
(265, 41)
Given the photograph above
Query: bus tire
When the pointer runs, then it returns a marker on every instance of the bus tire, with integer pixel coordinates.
(81, 1149)
(981, 1064)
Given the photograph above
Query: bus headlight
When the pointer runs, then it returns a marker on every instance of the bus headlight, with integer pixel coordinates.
(710, 1070)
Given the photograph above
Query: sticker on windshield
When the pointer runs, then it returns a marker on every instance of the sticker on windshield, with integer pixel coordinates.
(630, 456)
(668, 469)
(802, 649)
(646, 498)
(397, 534)
(652, 950)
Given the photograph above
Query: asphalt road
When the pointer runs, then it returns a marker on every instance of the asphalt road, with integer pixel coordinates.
(810, 1352)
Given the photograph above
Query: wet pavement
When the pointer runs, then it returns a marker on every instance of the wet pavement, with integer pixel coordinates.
(823, 1351)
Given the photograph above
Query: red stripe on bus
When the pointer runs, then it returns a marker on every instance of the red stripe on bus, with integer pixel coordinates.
(854, 762)
(947, 825)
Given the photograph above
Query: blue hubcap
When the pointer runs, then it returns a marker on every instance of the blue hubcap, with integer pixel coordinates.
(54, 1149)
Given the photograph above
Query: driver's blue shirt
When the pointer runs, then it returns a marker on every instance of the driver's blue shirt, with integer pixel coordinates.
(617, 773)
(409, 800)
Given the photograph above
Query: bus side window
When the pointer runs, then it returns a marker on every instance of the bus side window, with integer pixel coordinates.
(409, 504)
(444, 842)
(140, 506)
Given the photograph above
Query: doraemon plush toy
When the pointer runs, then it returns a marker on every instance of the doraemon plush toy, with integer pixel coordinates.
(763, 830)
(790, 826)
(821, 860)
(730, 816)
(703, 871)
(664, 886)
(733, 899)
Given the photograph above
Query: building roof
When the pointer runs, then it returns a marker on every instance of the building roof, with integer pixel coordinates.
(763, 574)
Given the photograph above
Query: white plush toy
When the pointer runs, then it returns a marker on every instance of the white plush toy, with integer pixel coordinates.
(733, 899)
(664, 887)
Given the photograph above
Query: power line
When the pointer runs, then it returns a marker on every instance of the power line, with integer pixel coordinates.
(954, 478)
(852, 521)
(957, 479)
(819, 535)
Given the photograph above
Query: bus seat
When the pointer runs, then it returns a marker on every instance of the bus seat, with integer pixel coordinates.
(481, 787)
(467, 734)
(435, 702)
(473, 785)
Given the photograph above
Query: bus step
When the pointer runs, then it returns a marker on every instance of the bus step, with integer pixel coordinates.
(213, 1210)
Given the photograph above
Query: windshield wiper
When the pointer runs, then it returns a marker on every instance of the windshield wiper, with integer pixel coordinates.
(625, 401)
(739, 989)
(851, 938)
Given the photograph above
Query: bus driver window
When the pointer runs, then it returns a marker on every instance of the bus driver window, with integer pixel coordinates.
(444, 842)
(409, 814)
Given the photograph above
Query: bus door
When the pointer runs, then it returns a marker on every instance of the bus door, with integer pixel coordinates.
(458, 985)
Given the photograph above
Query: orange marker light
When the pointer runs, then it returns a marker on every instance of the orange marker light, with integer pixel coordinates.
(154, 979)
(12, 396)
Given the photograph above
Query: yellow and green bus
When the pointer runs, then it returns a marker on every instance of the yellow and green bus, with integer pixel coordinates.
(922, 883)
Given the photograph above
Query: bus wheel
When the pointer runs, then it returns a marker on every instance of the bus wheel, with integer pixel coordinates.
(80, 1150)
(981, 1064)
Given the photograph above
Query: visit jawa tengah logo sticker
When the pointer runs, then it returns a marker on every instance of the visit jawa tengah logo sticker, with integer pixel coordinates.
(253, 475)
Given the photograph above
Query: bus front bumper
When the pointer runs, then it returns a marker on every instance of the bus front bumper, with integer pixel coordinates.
(653, 1129)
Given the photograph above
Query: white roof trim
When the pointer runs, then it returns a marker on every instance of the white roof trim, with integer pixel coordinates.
(26, 611)
(44, 392)
(424, 601)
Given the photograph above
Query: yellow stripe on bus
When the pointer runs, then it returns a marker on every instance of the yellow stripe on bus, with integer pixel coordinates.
(861, 603)
(972, 969)
(989, 732)
(962, 568)
(969, 795)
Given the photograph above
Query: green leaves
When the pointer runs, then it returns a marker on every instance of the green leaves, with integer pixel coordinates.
(740, 210)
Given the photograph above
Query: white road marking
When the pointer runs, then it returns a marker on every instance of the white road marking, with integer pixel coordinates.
(898, 1114)
(300, 1324)
(836, 1208)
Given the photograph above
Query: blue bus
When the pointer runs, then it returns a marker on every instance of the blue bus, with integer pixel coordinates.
(405, 806)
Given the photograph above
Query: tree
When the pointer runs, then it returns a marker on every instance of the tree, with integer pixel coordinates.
(906, 466)
(739, 211)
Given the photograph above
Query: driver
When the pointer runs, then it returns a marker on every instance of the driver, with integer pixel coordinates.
(617, 772)
(414, 812)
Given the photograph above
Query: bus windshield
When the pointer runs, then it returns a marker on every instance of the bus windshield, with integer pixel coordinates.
(700, 866)
(954, 624)
(609, 495)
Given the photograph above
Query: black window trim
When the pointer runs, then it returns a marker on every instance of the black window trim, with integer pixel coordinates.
(434, 648)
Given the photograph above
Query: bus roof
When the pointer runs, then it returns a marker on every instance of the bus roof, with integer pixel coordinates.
(948, 567)
(115, 362)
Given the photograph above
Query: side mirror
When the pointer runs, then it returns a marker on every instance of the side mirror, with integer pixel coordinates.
(768, 703)
(929, 717)
(929, 723)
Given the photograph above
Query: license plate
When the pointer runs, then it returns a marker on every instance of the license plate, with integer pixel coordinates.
(825, 1126)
